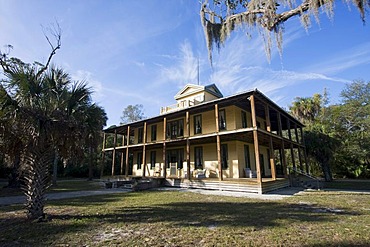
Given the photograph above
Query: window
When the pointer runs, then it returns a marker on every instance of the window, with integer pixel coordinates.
(244, 119)
(181, 159)
(198, 124)
(247, 157)
(139, 160)
(222, 120)
(140, 135)
(258, 124)
(154, 132)
(153, 155)
(198, 157)
(175, 129)
(268, 158)
(262, 163)
(224, 156)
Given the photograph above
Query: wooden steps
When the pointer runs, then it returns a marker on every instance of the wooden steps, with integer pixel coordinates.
(239, 186)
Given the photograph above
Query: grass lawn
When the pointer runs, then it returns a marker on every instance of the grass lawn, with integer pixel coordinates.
(62, 186)
(349, 184)
(173, 218)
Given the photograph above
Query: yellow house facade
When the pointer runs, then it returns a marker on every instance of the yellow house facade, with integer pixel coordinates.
(206, 136)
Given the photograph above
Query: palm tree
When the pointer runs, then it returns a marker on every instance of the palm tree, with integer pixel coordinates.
(307, 109)
(48, 111)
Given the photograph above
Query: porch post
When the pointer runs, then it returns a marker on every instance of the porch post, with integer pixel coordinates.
(255, 139)
(122, 156)
(292, 154)
(103, 157)
(114, 151)
(296, 133)
(283, 158)
(289, 132)
(300, 158)
(304, 152)
(164, 147)
(127, 153)
(218, 144)
(291, 144)
(188, 145)
(271, 146)
(144, 149)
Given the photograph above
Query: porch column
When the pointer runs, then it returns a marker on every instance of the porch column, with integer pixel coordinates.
(271, 146)
(280, 130)
(291, 144)
(127, 153)
(284, 159)
(103, 157)
(304, 152)
(164, 147)
(292, 154)
(144, 149)
(122, 156)
(300, 159)
(114, 151)
(289, 132)
(255, 139)
(296, 133)
(218, 143)
(188, 145)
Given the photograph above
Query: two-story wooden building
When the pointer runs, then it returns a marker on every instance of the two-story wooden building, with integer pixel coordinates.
(207, 139)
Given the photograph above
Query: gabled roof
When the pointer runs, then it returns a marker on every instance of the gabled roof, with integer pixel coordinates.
(192, 88)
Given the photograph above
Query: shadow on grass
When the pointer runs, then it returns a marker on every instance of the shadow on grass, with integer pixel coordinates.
(258, 214)
(80, 215)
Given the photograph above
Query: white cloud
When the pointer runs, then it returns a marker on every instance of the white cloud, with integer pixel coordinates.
(242, 65)
(344, 60)
(97, 86)
(183, 69)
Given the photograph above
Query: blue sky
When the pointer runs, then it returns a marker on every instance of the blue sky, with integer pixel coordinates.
(144, 52)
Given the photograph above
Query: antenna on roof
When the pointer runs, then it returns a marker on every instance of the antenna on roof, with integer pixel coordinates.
(198, 70)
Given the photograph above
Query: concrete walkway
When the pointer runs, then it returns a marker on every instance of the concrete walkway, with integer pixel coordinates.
(61, 195)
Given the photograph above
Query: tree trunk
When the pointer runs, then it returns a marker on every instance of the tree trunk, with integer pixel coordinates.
(90, 164)
(14, 181)
(36, 177)
(55, 168)
(326, 171)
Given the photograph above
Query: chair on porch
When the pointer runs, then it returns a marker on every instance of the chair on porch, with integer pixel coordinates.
(200, 173)
(249, 173)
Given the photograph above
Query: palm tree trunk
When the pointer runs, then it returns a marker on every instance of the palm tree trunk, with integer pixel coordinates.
(36, 176)
(13, 181)
(55, 168)
(90, 163)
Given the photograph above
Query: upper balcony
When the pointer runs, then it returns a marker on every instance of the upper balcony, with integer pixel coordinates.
(179, 106)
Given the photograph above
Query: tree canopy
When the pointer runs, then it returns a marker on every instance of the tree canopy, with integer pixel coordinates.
(221, 17)
(338, 136)
(44, 114)
(132, 113)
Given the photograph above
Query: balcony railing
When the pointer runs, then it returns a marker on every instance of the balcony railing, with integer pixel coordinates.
(179, 106)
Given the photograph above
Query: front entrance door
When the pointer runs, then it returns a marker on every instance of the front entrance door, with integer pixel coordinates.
(175, 158)
(173, 163)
